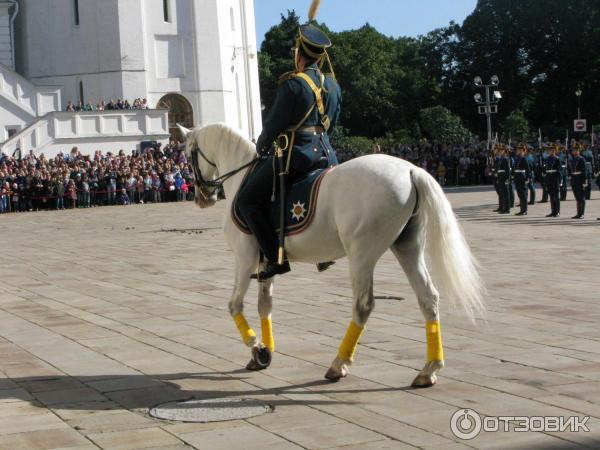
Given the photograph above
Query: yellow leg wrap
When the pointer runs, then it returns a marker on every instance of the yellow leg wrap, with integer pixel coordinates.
(348, 346)
(245, 331)
(266, 326)
(435, 351)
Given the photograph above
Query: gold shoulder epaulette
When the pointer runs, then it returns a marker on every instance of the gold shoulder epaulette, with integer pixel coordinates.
(286, 76)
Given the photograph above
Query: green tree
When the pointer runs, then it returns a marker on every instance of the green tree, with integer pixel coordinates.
(540, 49)
(383, 79)
(441, 125)
(516, 126)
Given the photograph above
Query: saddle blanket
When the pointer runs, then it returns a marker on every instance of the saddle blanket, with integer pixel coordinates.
(300, 205)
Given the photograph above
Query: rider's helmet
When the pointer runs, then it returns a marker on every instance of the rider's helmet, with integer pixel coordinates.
(312, 41)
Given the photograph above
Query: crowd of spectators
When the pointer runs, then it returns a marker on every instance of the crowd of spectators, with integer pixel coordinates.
(74, 180)
(452, 165)
(163, 174)
(159, 174)
(138, 103)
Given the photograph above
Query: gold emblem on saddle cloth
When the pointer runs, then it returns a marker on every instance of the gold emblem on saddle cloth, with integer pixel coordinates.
(298, 211)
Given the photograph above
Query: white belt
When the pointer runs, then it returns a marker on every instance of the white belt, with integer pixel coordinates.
(500, 171)
(520, 171)
(551, 171)
(576, 173)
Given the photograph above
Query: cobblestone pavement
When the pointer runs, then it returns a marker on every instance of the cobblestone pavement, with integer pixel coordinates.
(107, 312)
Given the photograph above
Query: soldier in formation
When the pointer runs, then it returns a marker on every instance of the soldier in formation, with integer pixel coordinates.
(522, 173)
(553, 180)
(579, 179)
(563, 156)
(503, 180)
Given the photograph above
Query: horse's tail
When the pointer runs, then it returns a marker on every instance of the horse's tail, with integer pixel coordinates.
(453, 264)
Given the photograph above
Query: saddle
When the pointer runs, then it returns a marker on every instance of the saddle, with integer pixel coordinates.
(301, 203)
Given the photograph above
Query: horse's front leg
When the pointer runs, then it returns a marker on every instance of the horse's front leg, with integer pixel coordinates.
(265, 306)
(261, 356)
(236, 304)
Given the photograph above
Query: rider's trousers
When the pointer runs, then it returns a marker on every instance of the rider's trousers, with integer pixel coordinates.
(254, 202)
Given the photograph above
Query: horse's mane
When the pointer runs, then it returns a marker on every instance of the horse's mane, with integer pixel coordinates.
(219, 137)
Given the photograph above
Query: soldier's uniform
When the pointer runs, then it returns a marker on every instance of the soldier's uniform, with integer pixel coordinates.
(306, 108)
(552, 171)
(543, 181)
(564, 159)
(503, 182)
(531, 178)
(511, 187)
(522, 172)
(588, 157)
(495, 164)
(578, 183)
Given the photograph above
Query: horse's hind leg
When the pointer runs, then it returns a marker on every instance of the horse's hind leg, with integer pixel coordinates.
(409, 250)
(361, 274)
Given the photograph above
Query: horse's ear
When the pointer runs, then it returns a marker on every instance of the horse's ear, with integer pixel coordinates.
(184, 131)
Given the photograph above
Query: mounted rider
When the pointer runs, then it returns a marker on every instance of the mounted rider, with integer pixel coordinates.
(306, 108)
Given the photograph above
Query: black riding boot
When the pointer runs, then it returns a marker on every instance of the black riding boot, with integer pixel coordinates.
(267, 241)
(253, 203)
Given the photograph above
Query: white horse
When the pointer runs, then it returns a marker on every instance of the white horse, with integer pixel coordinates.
(365, 207)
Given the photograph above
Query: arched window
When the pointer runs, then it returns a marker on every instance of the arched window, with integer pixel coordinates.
(180, 112)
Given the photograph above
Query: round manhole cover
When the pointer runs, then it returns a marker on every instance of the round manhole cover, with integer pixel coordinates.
(211, 410)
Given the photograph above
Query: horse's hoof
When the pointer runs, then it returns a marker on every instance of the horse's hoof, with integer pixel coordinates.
(424, 381)
(339, 369)
(261, 359)
(334, 375)
(253, 367)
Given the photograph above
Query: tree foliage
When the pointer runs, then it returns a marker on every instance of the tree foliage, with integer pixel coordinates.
(440, 125)
(516, 126)
(542, 51)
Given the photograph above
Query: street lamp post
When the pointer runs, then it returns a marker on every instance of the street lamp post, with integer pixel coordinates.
(489, 105)
(578, 93)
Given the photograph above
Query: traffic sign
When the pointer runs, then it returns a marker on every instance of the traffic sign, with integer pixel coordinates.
(580, 125)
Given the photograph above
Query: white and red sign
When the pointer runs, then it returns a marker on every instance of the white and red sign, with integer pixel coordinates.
(580, 125)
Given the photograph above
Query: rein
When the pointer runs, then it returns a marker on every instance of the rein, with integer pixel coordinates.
(217, 183)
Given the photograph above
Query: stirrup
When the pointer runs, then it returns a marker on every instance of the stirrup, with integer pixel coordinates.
(271, 269)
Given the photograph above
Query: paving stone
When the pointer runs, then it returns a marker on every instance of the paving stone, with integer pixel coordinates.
(84, 394)
(106, 421)
(134, 439)
(247, 437)
(61, 438)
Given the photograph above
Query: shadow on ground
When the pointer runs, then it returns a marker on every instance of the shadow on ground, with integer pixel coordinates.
(485, 213)
(146, 391)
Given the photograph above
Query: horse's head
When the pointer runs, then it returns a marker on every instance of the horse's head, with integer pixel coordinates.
(204, 169)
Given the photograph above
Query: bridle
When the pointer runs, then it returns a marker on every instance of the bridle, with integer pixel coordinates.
(205, 185)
